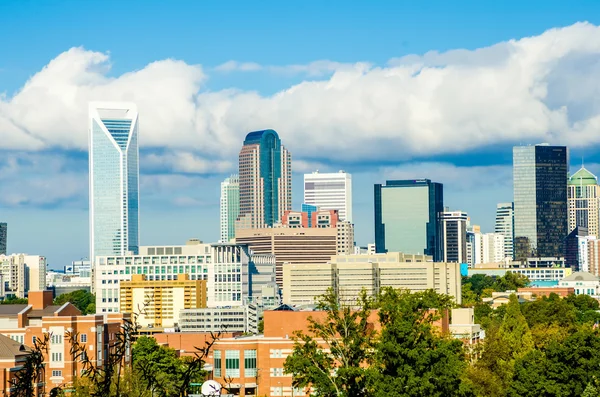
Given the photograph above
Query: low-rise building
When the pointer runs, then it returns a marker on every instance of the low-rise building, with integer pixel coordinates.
(583, 283)
(348, 275)
(547, 291)
(462, 326)
(158, 303)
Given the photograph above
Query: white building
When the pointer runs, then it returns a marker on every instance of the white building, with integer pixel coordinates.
(230, 207)
(492, 248)
(330, 191)
(505, 219)
(584, 283)
(454, 235)
(227, 269)
(114, 178)
(82, 267)
(22, 273)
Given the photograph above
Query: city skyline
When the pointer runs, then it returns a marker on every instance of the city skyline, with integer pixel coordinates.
(199, 103)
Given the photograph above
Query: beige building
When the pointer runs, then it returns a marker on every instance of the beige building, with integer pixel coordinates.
(349, 274)
(584, 200)
(297, 245)
(158, 302)
(22, 273)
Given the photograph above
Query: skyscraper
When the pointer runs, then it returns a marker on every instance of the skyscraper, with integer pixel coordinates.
(230, 207)
(584, 200)
(540, 195)
(3, 237)
(454, 235)
(114, 179)
(265, 172)
(330, 191)
(505, 220)
(407, 217)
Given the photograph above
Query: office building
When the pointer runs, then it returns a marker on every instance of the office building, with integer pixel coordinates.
(492, 248)
(576, 249)
(159, 302)
(330, 191)
(505, 219)
(81, 268)
(584, 200)
(540, 195)
(114, 179)
(298, 245)
(265, 178)
(454, 234)
(215, 319)
(3, 237)
(230, 207)
(21, 273)
(348, 275)
(407, 217)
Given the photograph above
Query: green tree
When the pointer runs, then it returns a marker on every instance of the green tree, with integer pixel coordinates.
(81, 299)
(13, 300)
(412, 357)
(332, 357)
(510, 282)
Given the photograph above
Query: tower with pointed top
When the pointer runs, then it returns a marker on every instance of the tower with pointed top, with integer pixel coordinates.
(114, 178)
(584, 201)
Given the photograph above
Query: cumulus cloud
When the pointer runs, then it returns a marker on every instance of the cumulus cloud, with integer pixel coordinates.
(541, 88)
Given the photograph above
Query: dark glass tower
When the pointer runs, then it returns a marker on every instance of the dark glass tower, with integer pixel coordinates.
(540, 176)
(3, 237)
(408, 217)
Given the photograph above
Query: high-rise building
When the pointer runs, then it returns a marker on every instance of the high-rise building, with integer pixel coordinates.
(505, 219)
(265, 172)
(114, 179)
(407, 217)
(22, 273)
(454, 234)
(584, 200)
(540, 195)
(230, 207)
(3, 237)
(492, 248)
(330, 191)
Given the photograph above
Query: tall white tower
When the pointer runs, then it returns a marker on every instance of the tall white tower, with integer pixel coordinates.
(114, 178)
(230, 207)
(330, 191)
(505, 220)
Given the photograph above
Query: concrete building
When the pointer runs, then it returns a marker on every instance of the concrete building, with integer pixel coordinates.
(330, 191)
(114, 179)
(540, 176)
(159, 302)
(295, 245)
(265, 172)
(215, 319)
(21, 273)
(583, 283)
(584, 201)
(348, 275)
(505, 220)
(25, 322)
(454, 235)
(230, 207)
(407, 217)
(492, 248)
(3, 237)
(82, 268)
(462, 326)
(535, 274)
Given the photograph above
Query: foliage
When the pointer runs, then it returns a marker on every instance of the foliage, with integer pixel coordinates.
(25, 380)
(481, 285)
(348, 337)
(81, 299)
(413, 358)
(13, 300)
(261, 326)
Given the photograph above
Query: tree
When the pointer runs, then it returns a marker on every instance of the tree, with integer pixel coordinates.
(511, 282)
(13, 300)
(81, 299)
(412, 357)
(337, 366)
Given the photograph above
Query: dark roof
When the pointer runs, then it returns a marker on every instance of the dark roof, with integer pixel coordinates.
(10, 349)
(284, 308)
(11, 310)
(256, 136)
(47, 311)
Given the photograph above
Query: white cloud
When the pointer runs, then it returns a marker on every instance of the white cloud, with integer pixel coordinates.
(232, 66)
(542, 88)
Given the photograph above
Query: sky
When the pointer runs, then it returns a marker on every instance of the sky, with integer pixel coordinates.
(383, 89)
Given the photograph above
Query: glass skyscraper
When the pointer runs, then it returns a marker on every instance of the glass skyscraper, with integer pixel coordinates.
(408, 217)
(114, 179)
(540, 175)
(265, 172)
(3, 237)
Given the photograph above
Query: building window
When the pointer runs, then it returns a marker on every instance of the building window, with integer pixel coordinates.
(83, 338)
(217, 363)
(56, 357)
(232, 363)
(249, 363)
(56, 373)
(56, 339)
(33, 339)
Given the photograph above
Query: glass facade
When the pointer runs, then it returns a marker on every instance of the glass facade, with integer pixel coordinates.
(540, 191)
(249, 363)
(3, 237)
(232, 363)
(408, 217)
(114, 180)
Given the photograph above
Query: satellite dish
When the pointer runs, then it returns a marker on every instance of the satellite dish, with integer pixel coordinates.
(211, 388)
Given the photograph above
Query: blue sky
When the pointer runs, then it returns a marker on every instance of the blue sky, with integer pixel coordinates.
(384, 90)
